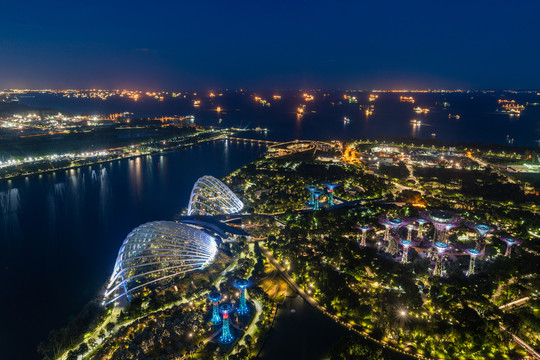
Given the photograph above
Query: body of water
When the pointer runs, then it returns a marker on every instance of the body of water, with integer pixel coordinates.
(60, 232)
(323, 118)
(301, 332)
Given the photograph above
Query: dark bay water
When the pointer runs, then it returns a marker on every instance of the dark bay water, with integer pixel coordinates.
(60, 232)
(323, 119)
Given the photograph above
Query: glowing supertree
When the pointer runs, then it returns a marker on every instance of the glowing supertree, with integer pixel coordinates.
(226, 336)
(214, 298)
(473, 253)
(447, 229)
(394, 224)
(364, 229)
(421, 223)
(482, 230)
(241, 284)
(441, 248)
(331, 188)
(410, 228)
(442, 221)
(406, 244)
(509, 243)
(316, 195)
(311, 189)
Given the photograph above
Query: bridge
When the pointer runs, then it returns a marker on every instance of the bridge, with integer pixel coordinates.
(252, 141)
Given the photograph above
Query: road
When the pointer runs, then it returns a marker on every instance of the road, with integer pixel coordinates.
(523, 344)
(515, 303)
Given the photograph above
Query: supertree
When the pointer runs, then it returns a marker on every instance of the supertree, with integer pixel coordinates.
(482, 230)
(441, 248)
(214, 299)
(316, 195)
(394, 224)
(410, 228)
(447, 229)
(242, 284)
(226, 336)
(364, 229)
(473, 254)
(421, 223)
(509, 243)
(442, 221)
(406, 244)
(311, 189)
(331, 188)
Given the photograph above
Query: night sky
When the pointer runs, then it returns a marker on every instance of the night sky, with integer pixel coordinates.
(270, 44)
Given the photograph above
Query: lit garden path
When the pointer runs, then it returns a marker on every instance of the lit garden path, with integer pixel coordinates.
(316, 305)
(116, 311)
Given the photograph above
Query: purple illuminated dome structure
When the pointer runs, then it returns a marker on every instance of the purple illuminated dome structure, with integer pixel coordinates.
(311, 189)
(442, 221)
(441, 248)
(331, 188)
(421, 223)
(226, 336)
(242, 284)
(509, 243)
(316, 196)
(364, 229)
(406, 244)
(214, 299)
(473, 253)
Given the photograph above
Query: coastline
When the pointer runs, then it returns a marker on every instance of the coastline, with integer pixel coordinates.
(179, 147)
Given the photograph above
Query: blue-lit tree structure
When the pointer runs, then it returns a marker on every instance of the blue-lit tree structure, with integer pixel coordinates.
(482, 230)
(406, 244)
(410, 228)
(241, 284)
(473, 253)
(214, 299)
(441, 248)
(331, 188)
(364, 229)
(421, 223)
(311, 189)
(210, 196)
(509, 243)
(156, 251)
(317, 195)
(226, 336)
(394, 224)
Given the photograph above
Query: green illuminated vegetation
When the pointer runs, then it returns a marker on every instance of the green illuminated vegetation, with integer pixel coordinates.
(395, 304)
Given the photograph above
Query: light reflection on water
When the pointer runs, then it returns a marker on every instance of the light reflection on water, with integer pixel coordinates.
(60, 232)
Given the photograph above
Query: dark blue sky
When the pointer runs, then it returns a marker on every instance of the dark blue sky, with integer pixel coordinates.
(270, 44)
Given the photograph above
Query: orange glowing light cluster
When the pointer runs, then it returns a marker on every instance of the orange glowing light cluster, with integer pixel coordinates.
(406, 99)
(420, 110)
(351, 156)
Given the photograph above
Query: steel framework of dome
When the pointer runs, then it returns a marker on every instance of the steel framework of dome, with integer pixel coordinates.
(156, 251)
(212, 197)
